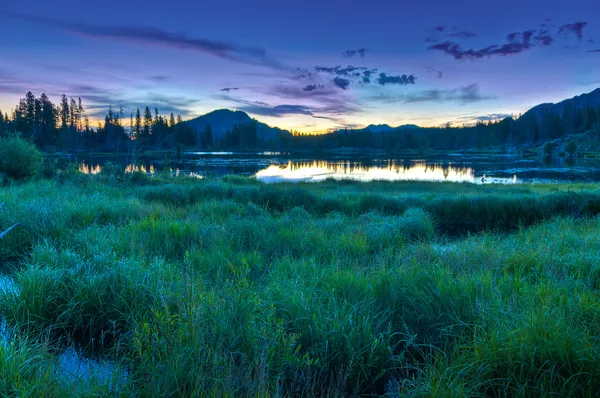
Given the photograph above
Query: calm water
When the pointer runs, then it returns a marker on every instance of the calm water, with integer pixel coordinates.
(274, 167)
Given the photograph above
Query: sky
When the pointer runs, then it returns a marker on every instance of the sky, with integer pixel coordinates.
(309, 66)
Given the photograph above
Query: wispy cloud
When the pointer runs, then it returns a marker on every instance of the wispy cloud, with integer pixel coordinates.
(159, 78)
(573, 28)
(154, 36)
(516, 42)
(341, 82)
(228, 89)
(351, 53)
(463, 34)
(312, 87)
(462, 95)
(331, 108)
(594, 51)
(400, 80)
(438, 72)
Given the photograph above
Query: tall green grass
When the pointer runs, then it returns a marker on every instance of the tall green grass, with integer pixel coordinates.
(235, 288)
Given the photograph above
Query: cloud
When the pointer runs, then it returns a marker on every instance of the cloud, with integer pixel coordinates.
(351, 53)
(228, 89)
(154, 36)
(328, 107)
(349, 71)
(462, 95)
(517, 42)
(594, 51)
(158, 79)
(573, 28)
(463, 34)
(312, 87)
(367, 75)
(401, 80)
(341, 82)
(438, 72)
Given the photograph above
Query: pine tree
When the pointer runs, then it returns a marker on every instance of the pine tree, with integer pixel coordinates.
(138, 125)
(73, 115)
(81, 114)
(30, 111)
(147, 123)
(172, 120)
(48, 126)
(64, 112)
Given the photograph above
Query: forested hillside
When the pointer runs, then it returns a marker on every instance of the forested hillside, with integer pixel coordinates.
(66, 127)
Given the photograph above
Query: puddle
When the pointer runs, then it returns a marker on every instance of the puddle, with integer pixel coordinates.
(71, 367)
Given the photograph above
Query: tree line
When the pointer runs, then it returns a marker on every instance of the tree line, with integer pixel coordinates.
(66, 126)
(528, 129)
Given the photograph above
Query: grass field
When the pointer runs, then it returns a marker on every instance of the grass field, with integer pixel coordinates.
(230, 287)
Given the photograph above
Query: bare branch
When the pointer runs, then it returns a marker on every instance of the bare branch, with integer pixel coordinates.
(7, 231)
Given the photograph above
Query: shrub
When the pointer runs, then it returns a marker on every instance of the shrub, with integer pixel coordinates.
(49, 167)
(548, 148)
(571, 148)
(19, 158)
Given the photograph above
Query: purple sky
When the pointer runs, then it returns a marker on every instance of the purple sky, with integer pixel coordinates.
(308, 66)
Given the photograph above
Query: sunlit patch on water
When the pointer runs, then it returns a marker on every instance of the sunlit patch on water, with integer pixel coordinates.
(89, 169)
(418, 171)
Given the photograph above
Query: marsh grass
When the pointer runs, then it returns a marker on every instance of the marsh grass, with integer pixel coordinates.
(231, 287)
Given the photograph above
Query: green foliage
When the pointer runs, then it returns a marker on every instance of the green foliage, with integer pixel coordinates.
(19, 158)
(233, 287)
(548, 148)
(571, 147)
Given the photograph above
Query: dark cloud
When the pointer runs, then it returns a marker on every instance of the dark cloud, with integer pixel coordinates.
(463, 34)
(401, 80)
(265, 109)
(228, 89)
(573, 28)
(312, 87)
(277, 110)
(341, 82)
(367, 75)
(351, 53)
(349, 71)
(439, 28)
(326, 106)
(517, 42)
(594, 51)
(462, 95)
(154, 36)
(288, 91)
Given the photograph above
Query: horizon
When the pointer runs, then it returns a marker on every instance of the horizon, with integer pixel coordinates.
(432, 68)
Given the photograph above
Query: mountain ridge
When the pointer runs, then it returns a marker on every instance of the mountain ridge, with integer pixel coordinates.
(223, 120)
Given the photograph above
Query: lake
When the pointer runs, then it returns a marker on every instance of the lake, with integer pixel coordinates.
(276, 167)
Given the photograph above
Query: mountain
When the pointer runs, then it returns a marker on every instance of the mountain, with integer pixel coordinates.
(223, 120)
(385, 128)
(591, 99)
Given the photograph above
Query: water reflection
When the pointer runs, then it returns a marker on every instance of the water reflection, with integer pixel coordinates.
(392, 171)
(277, 166)
(134, 168)
(89, 169)
(150, 169)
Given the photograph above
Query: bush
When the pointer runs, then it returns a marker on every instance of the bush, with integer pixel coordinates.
(571, 148)
(49, 168)
(548, 148)
(19, 158)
